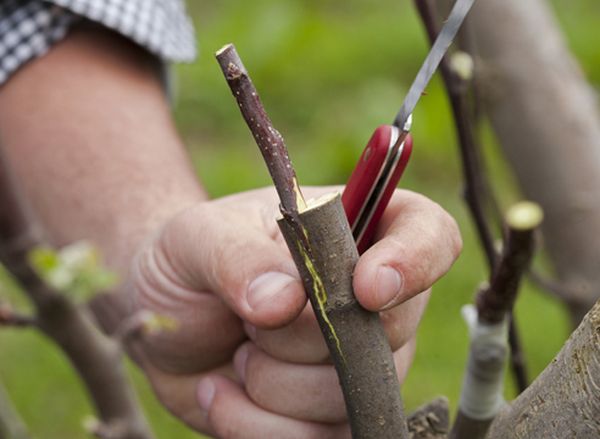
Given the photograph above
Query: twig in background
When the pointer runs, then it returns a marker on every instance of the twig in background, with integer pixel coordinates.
(457, 84)
(324, 251)
(481, 396)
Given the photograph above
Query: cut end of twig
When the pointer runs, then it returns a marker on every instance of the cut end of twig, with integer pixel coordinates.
(524, 216)
(224, 49)
(314, 203)
(230, 62)
(462, 64)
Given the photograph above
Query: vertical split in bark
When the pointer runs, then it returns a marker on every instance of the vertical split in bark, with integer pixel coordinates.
(321, 243)
(355, 336)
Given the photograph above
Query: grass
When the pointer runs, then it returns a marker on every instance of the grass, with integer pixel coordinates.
(328, 72)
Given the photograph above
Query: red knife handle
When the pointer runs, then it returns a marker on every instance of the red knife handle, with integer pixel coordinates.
(366, 176)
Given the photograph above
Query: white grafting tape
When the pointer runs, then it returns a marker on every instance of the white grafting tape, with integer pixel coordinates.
(481, 395)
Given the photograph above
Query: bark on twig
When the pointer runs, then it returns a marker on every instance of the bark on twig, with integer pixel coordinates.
(494, 303)
(481, 396)
(96, 358)
(547, 119)
(324, 251)
(268, 139)
(564, 401)
(457, 88)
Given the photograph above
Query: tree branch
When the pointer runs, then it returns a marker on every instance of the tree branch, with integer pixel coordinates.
(564, 401)
(476, 186)
(322, 246)
(268, 139)
(481, 396)
(95, 357)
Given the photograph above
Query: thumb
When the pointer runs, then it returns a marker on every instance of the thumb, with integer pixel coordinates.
(213, 248)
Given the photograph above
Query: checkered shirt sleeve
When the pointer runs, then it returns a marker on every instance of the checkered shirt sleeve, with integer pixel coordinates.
(28, 28)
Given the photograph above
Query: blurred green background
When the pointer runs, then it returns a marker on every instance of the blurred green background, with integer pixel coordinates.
(329, 72)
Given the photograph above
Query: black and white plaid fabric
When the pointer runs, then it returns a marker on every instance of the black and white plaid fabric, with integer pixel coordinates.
(28, 28)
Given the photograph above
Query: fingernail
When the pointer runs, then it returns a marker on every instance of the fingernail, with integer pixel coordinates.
(266, 287)
(206, 393)
(388, 286)
(239, 362)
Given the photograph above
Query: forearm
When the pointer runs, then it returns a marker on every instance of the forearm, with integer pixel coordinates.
(86, 131)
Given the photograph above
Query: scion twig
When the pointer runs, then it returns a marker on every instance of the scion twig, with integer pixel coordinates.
(321, 243)
(268, 139)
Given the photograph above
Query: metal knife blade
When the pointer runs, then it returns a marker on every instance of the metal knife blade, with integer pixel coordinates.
(436, 54)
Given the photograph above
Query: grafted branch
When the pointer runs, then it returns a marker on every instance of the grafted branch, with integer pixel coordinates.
(481, 396)
(322, 246)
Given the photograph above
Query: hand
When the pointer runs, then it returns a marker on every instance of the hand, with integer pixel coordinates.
(222, 271)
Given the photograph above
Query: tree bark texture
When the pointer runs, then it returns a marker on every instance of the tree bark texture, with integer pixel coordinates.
(547, 120)
(326, 256)
(564, 401)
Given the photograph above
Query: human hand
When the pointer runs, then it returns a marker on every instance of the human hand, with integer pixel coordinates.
(222, 271)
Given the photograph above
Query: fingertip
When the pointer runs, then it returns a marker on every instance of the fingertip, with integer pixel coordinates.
(274, 299)
(239, 361)
(205, 393)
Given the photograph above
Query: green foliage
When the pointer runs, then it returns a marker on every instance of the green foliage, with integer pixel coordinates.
(74, 269)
